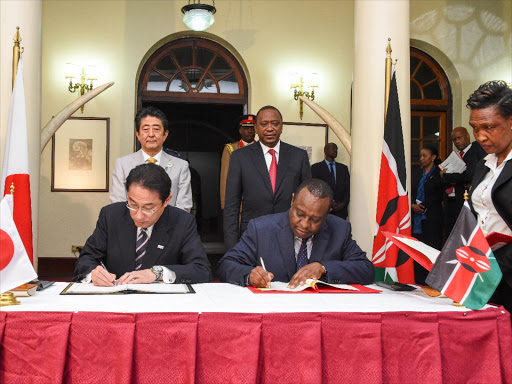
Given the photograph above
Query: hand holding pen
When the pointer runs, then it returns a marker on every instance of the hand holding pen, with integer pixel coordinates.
(102, 277)
(260, 277)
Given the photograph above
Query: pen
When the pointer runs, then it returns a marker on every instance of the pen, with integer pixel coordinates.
(263, 264)
(105, 268)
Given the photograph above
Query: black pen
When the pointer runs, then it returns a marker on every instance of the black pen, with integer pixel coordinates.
(105, 268)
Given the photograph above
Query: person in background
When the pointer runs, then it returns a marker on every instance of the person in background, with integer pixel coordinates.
(336, 175)
(458, 183)
(151, 129)
(246, 129)
(263, 176)
(427, 210)
(490, 196)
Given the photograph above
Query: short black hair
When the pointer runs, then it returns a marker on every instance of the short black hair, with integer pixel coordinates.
(152, 177)
(317, 188)
(269, 107)
(153, 112)
(494, 93)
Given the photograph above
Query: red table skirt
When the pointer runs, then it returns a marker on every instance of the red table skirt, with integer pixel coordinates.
(393, 347)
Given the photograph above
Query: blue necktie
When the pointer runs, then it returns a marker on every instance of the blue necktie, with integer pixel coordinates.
(302, 256)
(331, 168)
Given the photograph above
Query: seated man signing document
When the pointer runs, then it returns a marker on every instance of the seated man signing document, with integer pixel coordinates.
(145, 239)
(302, 243)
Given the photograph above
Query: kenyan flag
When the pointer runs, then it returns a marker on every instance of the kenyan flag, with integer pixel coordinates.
(466, 270)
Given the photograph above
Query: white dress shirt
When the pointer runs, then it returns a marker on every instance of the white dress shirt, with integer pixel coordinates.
(156, 157)
(488, 218)
(268, 156)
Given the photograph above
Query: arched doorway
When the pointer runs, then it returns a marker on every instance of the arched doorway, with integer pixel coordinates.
(431, 107)
(201, 85)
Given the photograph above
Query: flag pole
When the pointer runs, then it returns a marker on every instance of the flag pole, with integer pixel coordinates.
(15, 55)
(389, 66)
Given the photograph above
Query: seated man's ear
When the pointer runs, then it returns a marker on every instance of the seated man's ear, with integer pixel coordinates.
(293, 198)
(167, 200)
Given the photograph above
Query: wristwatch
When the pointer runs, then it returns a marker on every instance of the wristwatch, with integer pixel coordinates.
(158, 271)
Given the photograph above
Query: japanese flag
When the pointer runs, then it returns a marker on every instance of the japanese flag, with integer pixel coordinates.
(15, 266)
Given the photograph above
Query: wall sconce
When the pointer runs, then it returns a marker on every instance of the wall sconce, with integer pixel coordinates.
(73, 72)
(297, 82)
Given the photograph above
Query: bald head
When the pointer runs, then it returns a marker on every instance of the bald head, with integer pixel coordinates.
(460, 138)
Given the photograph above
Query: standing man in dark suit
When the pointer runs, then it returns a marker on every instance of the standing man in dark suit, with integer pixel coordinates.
(144, 239)
(262, 177)
(303, 243)
(471, 153)
(337, 176)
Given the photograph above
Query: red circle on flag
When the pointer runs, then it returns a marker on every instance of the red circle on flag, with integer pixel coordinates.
(7, 247)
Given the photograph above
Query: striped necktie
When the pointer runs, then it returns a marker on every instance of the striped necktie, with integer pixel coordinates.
(272, 171)
(140, 248)
(302, 256)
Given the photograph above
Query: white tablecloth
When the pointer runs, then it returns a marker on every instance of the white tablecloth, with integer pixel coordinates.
(218, 297)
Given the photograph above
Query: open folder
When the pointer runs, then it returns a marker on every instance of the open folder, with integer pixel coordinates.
(90, 289)
(314, 286)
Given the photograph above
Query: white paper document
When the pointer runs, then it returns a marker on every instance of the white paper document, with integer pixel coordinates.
(90, 289)
(310, 283)
(453, 164)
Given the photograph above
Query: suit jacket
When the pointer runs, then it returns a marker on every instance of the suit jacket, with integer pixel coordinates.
(461, 181)
(176, 168)
(174, 243)
(224, 166)
(341, 189)
(271, 238)
(501, 196)
(249, 182)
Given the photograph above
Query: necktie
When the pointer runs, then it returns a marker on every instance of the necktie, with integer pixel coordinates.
(140, 248)
(151, 160)
(273, 169)
(461, 153)
(331, 168)
(302, 256)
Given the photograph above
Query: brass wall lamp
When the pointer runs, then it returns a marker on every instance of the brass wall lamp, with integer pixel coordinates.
(73, 72)
(297, 83)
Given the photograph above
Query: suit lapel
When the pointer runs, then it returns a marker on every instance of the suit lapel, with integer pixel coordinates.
(166, 162)
(285, 240)
(261, 166)
(160, 236)
(505, 175)
(126, 241)
(320, 242)
(282, 165)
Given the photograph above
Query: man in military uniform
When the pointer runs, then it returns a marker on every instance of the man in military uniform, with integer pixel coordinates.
(247, 133)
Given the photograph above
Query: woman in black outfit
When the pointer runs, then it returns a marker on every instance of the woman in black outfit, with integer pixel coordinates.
(427, 211)
(491, 187)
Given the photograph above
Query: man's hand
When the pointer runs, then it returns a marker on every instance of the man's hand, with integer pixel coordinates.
(259, 278)
(145, 276)
(102, 278)
(443, 171)
(309, 271)
(418, 208)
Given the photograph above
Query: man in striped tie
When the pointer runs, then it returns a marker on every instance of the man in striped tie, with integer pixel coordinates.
(144, 239)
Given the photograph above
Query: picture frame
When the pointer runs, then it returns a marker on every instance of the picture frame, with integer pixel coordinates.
(80, 155)
(308, 136)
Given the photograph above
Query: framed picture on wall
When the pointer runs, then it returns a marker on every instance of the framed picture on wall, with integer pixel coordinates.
(308, 136)
(80, 155)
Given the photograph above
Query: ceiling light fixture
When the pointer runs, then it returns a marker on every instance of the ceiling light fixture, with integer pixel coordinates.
(197, 16)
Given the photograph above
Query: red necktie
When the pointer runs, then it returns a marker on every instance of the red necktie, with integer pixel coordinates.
(273, 169)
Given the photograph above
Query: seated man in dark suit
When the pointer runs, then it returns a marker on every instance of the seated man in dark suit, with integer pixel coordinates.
(336, 175)
(145, 239)
(458, 183)
(303, 243)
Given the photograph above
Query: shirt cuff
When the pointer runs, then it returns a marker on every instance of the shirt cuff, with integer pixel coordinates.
(168, 276)
(87, 279)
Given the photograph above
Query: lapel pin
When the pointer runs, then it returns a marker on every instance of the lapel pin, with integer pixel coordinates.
(160, 247)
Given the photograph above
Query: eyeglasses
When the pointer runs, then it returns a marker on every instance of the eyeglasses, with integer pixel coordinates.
(145, 211)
